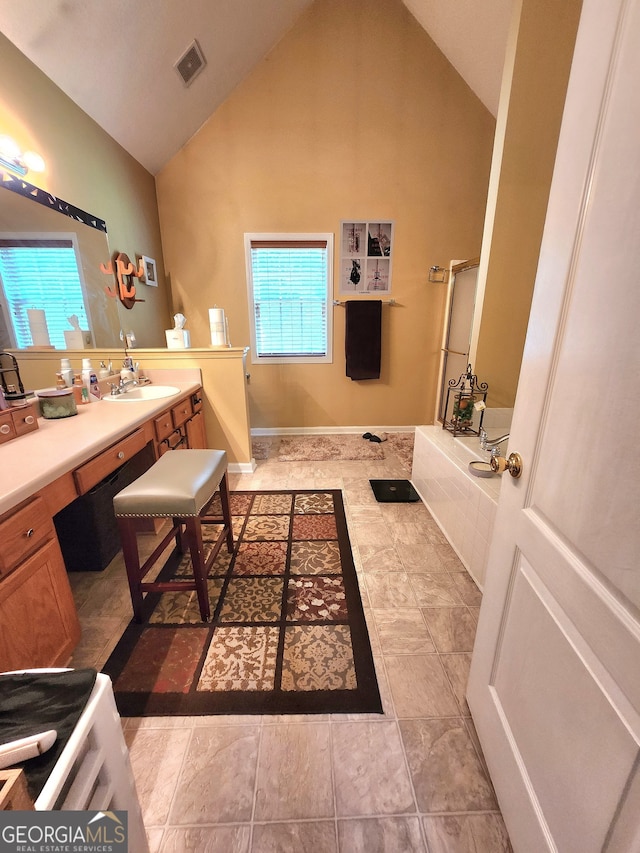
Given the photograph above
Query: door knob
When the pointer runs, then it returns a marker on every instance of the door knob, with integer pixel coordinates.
(512, 464)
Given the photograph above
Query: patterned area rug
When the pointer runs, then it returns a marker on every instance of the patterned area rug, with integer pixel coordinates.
(287, 635)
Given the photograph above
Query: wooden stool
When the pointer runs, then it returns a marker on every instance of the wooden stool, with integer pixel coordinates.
(179, 486)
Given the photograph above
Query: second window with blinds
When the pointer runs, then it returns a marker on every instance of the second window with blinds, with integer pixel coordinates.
(290, 285)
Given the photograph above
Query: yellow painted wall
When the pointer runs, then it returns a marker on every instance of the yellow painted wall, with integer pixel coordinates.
(544, 33)
(88, 169)
(354, 115)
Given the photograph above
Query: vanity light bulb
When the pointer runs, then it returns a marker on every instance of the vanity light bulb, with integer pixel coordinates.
(33, 161)
(9, 148)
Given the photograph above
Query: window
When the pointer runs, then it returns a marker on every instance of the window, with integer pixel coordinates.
(41, 273)
(289, 277)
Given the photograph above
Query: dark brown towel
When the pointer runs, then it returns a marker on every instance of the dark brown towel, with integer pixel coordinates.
(363, 338)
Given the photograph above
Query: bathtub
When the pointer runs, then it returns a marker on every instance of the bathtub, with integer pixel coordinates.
(464, 506)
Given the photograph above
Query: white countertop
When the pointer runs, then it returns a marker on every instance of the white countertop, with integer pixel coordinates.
(32, 461)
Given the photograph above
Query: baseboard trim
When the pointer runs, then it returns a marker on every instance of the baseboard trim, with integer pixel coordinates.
(242, 467)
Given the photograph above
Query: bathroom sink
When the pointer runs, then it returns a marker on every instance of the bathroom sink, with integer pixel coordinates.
(143, 392)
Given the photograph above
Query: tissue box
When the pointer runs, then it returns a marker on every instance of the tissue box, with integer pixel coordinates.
(177, 339)
(77, 339)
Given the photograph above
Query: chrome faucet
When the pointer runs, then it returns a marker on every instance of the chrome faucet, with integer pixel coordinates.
(487, 443)
(123, 386)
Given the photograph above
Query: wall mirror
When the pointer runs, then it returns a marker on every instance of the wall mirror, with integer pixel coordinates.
(23, 212)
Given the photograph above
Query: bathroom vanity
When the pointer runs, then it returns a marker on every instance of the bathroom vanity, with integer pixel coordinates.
(42, 473)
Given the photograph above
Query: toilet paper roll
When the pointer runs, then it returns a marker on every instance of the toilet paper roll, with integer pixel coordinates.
(38, 327)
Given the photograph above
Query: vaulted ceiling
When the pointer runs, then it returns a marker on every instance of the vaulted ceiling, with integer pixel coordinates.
(115, 58)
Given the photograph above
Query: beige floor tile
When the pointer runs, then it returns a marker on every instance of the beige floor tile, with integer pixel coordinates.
(369, 769)
(422, 557)
(310, 837)
(379, 558)
(134, 724)
(393, 513)
(389, 589)
(420, 687)
(453, 629)
(294, 773)
(457, 668)
(446, 553)
(156, 759)
(218, 777)
(403, 631)
(365, 514)
(467, 588)
(413, 532)
(154, 837)
(381, 835)
(369, 533)
(108, 598)
(446, 772)
(435, 589)
(210, 839)
(483, 833)
(473, 734)
(226, 720)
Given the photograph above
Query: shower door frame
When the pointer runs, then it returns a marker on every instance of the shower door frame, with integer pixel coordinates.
(455, 268)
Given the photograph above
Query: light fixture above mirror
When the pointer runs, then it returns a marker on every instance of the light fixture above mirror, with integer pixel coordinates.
(11, 157)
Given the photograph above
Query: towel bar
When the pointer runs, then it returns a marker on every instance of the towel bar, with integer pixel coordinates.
(344, 302)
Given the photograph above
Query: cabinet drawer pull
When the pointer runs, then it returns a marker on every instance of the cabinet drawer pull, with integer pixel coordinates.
(29, 420)
(5, 429)
(121, 455)
(30, 533)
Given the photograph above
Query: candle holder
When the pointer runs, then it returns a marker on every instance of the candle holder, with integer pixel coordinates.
(466, 399)
(12, 386)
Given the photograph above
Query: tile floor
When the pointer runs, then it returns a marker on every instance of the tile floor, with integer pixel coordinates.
(412, 779)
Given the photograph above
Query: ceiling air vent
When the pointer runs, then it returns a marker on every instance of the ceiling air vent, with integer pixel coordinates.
(190, 63)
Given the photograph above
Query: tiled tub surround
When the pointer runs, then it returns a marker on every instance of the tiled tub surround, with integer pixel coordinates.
(410, 780)
(464, 506)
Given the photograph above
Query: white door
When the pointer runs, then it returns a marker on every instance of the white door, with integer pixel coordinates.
(554, 688)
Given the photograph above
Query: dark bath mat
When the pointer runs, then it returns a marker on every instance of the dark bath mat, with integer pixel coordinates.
(394, 491)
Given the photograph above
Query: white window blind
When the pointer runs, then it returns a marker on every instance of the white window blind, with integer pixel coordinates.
(289, 287)
(41, 273)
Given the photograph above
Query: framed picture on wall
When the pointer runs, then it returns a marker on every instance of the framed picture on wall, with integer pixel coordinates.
(365, 257)
(150, 274)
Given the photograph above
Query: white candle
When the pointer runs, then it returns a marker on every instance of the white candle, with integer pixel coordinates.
(218, 327)
(38, 327)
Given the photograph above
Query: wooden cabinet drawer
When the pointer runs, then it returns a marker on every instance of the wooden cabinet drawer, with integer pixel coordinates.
(25, 419)
(23, 533)
(163, 425)
(17, 421)
(181, 412)
(7, 427)
(90, 474)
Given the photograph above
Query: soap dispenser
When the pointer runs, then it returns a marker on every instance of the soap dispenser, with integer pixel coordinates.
(126, 374)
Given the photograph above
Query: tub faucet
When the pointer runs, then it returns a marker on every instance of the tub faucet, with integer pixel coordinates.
(487, 443)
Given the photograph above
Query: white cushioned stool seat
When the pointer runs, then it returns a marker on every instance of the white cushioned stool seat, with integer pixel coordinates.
(180, 484)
